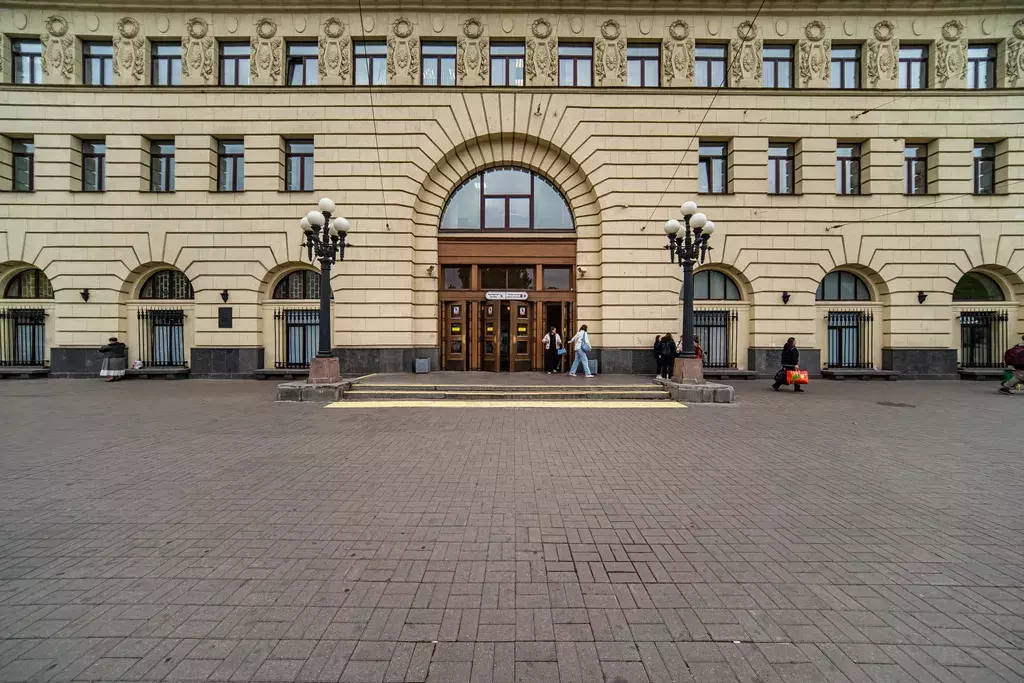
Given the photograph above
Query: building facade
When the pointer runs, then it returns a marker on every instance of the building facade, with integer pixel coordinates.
(509, 171)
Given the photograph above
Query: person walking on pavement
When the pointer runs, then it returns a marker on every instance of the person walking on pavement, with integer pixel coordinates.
(1014, 358)
(656, 350)
(667, 356)
(552, 345)
(582, 346)
(790, 361)
(115, 360)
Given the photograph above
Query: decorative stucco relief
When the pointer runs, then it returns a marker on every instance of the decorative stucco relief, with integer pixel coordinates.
(541, 54)
(58, 50)
(334, 62)
(610, 57)
(679, 67)
(1015, 55)
(951, 55)
(815, 56)
(197, 52)
(403, 60)
(747, 52)
(473, 58)
(266, 54)
(129, 51)
(883, 54)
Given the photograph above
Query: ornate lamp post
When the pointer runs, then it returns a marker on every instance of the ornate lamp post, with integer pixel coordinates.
(691, 246)
(324, 239)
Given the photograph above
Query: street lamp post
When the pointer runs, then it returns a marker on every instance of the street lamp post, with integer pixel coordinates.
(325, 240)
(691, 246)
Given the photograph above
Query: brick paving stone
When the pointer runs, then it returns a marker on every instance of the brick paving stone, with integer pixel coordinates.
(883, 544)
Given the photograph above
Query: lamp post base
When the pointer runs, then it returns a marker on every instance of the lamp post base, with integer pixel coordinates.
(688, 368)
(324, 370)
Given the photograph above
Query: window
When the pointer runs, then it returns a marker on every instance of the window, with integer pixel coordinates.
(29, 284)
(913, 67)
(302, 64)
(981, 67)
(458, 277)
(643, 66)
(710, 61)
(976, 286)
(780, 168)
(94, 166)
(161, 167)
(714, 285)
(915, 169)
(984, 168)
(558, 278)
(842, 285)
(846, 67)
(711, 170)
(848, 168)
(167, 284)
(506, 277)
(298, 165)
(166, 64)
(234, 63)
(778, 66)
(506, 198)
(575, 65)
(507, 63)
(24, 159)
(98, 62)
(27, 58)
(231, 166)
(439, 64)
(371, 63)
(298, 284)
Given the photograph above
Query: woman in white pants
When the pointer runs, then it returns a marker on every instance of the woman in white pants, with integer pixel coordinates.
(582, 342)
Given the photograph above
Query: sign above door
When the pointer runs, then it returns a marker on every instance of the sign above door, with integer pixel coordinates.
(506, 296)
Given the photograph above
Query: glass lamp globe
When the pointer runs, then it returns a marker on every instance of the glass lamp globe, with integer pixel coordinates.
(709, 228)
(698, 220)
(341, 224)
(315, 218)
(306, 227)
(672, 227)
(326, 205)
(688, 208)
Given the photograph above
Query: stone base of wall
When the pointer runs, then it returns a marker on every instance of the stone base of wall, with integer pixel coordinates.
(68, 361)
(921, 363)
(363, 361)
(225, 363)
(625, 361)
(767, 361)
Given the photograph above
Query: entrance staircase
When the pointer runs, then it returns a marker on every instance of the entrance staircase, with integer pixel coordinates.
(520, 387)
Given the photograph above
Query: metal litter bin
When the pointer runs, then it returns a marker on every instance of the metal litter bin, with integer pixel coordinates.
(422, 366)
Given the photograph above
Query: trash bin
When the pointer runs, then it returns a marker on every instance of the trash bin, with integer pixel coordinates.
(593, 365)
(422, 366)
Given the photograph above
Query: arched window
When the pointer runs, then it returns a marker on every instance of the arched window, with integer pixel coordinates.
(842, 285)
(29, 284)
(167, 284)
(298, 284)
(977, 287)
(506, 199)
(714, 285)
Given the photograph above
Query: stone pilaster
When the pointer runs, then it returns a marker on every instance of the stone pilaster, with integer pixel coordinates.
(1014, 56)
(814, 56)
(473, 59)
(54, 156)
(746, 57)
(131, 53)
(403, 53)
(195, 163)
(198, 56)
(541, 54)
(127, 163)
(267, 57)
(610, 55)
(678, 63)
(335, 53)
(883, 57)
(58, 51)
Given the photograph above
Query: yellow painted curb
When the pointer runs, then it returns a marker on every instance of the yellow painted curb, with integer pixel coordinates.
(407, 392)
(435, 403)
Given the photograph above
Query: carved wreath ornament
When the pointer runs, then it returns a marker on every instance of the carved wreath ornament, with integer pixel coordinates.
(128, 28)
(679, 30)
(611, 30)
(884, 30)
(56, 26)
(815, 31)
(266, 28)
(197, 28)
(952, 30)
(541, 29)
(472, 28)
(402, 27)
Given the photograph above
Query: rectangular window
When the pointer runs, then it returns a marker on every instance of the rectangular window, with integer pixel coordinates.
(231, 166)
(457, 277)
(234, 63)
(371, 59)
(507, 277)
(94, 166)
(780, 168)
(984, 168)
(302, 64)
(981, 67)
(298, 166)
(710, 60)
(507, 63)
(98, 63)
(575, 65)
(161, 166)
(24, 159)
(643, 66)
(558, 278)
(846, 67)
(439, 64)
(711, 171)
(778, 66)
(915, 169)
(913, 67)
(166, 64)
(27, 60)
(848, 168)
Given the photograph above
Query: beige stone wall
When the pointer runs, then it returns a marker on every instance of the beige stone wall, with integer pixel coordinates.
(624, 158)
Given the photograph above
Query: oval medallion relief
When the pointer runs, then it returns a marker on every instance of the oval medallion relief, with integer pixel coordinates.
(162, 24)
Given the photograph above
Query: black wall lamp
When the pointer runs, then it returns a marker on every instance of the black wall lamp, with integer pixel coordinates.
(921, 296)
(785, 297)
(224, 296)
(84, 294)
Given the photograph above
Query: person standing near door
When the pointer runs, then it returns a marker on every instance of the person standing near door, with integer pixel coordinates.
(552, 346)
(582, 342)
(666, 356)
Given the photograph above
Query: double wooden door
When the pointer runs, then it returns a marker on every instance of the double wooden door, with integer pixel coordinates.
(500, 336)
(508, 335)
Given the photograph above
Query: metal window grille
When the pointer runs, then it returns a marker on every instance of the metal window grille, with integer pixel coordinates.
(22, 337)
(717, 331)
(162, 337)
(849, 339)
(984, 337)
(296, 335)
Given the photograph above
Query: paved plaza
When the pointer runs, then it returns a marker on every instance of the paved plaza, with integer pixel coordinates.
(196, 530)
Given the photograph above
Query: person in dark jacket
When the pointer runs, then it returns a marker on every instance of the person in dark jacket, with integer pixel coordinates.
(656, 350)
(667, 356)
(115, 360)
(790, 361)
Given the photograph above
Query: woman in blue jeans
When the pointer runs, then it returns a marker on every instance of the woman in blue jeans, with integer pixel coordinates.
(582, 342)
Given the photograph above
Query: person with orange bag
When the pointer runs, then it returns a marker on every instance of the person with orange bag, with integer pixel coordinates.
(790, 362)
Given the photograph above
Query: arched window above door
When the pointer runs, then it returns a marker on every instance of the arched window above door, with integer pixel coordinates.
(714, 285)
(167, 284)
(842, 285)
(29, 284)
(975, 286)
(506, 199)
(298, 284)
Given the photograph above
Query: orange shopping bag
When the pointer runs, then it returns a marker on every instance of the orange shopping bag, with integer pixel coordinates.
(797, 376)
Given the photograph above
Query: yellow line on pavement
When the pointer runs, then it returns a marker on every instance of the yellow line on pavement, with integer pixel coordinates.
(438, 403)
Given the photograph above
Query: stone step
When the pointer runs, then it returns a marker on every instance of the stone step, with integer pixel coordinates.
(540, 395)
(575, 387)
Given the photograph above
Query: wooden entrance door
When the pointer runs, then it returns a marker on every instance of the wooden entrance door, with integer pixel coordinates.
(454, 333)
(521, 336)
(491, 335)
